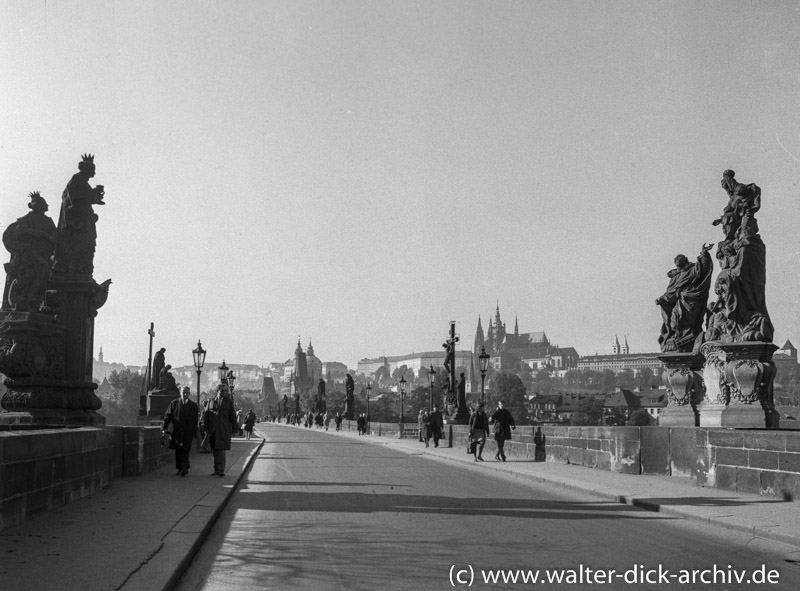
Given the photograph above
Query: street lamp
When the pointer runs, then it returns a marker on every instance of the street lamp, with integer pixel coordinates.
(231, 379)
(369, 391)
(484, 360)
(432, 380)
(199, 356)
(222, 373)
(402, 398)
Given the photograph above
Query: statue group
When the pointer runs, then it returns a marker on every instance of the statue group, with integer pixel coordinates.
(739, 313)
(719, 354)
(49, 303)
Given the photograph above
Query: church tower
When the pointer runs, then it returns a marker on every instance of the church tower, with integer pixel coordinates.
(300, 364)
(516, 325)
(479, 340)
(625, 349)
(615, 346)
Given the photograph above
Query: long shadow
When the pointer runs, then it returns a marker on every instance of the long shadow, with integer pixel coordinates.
(356, 502)
(702, 502)
(309, 483)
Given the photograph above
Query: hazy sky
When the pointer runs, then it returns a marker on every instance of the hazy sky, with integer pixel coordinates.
(358, 174)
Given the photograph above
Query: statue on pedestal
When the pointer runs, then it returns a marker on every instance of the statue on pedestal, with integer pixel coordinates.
(158, 365)
(683, 304)
(740, 312)
(31, 241)
(319, 400)
(350, 399)
(74, 253)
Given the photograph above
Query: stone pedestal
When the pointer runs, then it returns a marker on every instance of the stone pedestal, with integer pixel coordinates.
(685, 390)
(47, 358)
(739, 379)
(158, 402)
(461, 416)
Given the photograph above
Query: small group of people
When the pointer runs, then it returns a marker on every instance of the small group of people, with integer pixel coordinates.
(217, 425)
(431, 426)
(501, 423)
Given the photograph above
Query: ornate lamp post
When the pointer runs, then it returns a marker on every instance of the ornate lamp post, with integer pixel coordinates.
(222, 373)
(231, 380)
(432, 381)
(369, 391)
(484, 360)
(199, 355)
(402, 398)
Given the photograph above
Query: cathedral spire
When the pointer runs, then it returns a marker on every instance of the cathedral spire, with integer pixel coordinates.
(516, 326)
(479, 339)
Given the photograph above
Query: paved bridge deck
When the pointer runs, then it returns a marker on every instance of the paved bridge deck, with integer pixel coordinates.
(141, 532)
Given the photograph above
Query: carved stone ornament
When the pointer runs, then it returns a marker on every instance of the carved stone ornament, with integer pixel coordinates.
(680, 385)
(717, 387)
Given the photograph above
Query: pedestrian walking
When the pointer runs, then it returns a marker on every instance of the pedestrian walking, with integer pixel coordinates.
(180, 421)
(436, 425)
(478, 431)
(539, 440)
(338, 420)
(222, 425)
(249, 423)
(503, 423)
(421, 424)
(361, 423)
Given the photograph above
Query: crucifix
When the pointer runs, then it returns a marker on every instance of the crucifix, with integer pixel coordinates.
(461, 415)
(147, 376)
(152, 333)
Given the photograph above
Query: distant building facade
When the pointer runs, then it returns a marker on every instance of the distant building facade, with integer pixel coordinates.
(622, 359)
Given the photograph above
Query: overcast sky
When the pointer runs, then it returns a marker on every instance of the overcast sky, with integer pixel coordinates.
(358, 174)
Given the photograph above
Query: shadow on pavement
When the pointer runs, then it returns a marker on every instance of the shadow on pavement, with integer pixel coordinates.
(330, 502)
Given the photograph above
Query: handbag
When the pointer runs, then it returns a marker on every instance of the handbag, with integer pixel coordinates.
(470, 446)
(205, 444)
(498, 428)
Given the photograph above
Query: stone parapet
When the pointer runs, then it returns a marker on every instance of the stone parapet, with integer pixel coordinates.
(42, 469)
(765, 462)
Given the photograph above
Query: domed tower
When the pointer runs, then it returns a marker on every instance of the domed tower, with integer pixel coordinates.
(314, 365)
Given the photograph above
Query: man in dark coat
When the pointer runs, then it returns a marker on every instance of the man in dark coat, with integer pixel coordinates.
(436, 425)
(503, 422)
(181, 419)
(222, 425)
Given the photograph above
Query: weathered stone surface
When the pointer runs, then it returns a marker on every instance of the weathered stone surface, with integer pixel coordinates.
(655, 448)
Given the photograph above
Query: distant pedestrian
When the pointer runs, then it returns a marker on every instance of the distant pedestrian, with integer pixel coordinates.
(425, 428)
(249, 423)
(421, 424)
(503, 423)
(338, 420)
(222, 422)
(361, 423)
(478, 431)
(436, 425)
(180, 421)
(539, 440)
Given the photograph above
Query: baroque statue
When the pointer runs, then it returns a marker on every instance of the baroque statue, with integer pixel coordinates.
(739, 313)
(683, 304)
(77, 233)
(158, 364)
(350, 399)
(31, 241)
